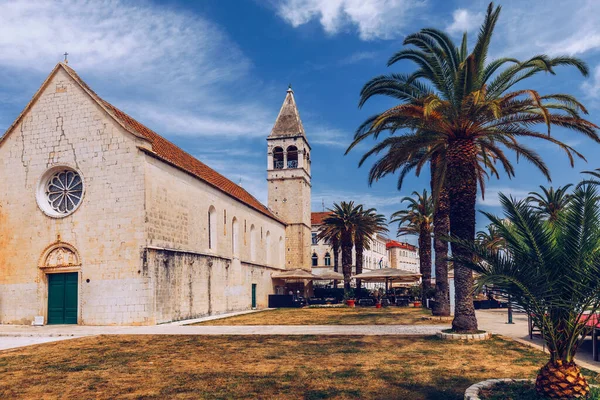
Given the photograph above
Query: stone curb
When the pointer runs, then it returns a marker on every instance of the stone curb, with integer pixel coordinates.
(472, 392)
(464, 336)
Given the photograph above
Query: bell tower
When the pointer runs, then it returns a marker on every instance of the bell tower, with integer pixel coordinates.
(289, 182)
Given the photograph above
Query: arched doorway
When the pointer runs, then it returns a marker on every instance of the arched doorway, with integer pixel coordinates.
(61, 264)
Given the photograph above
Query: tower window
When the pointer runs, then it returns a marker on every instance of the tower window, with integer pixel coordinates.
(315, 260)
(292, 157)
(277, 158)
(327, 259)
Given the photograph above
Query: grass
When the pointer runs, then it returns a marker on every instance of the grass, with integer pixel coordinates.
(521, 391)
(262, 367)
(331, 316)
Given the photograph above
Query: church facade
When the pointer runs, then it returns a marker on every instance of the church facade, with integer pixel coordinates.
(105, 222)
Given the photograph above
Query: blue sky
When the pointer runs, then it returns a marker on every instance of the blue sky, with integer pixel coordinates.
(211, 75)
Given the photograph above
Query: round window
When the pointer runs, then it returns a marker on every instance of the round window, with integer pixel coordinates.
(60, 192)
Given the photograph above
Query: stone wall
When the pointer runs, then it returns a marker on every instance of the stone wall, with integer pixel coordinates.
(189, 285)
(66, 127)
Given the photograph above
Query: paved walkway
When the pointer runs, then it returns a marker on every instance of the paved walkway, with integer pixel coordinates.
(13, 336)
(66, 331)
(496, 321)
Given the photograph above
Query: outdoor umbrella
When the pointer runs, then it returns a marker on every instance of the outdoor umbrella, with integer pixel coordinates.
(293, 274)
(388, 275)
(329, 276)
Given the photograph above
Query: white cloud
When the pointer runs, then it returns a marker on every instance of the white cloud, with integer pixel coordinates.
(183, 66)
(491, 195)
(464, 21)
(330, 137)
(591, 87)
(374, 19)
(249, 175)
(358, 57)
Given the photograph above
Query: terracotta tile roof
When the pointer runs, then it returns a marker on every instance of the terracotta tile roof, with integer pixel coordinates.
(392, 243)
(172, 154)
(316, 218)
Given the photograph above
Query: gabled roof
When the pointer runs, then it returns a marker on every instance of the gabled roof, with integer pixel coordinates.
(401, 245)
(317, 218)
(288, 121)
(161, 147)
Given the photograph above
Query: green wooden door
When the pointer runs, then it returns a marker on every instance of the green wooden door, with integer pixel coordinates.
(254, 295)
(62, 298)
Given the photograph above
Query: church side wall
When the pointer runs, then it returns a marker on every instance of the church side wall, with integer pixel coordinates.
(192, 277)
(65, 127)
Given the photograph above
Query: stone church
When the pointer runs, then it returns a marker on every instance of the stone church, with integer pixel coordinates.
(103, 221)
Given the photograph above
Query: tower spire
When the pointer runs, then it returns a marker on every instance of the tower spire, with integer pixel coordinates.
(288, 121)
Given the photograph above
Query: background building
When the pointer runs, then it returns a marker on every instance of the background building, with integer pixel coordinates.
(383, 252)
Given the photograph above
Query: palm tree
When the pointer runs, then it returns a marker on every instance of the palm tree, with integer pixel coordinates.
(344, 218)
(550, 203)
(552, 270)
(370, 224)
(332, 236)
(441, 228)
(417, 219)
(490, 239)
(465, 112)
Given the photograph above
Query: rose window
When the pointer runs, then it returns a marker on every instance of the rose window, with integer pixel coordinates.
(60, 192)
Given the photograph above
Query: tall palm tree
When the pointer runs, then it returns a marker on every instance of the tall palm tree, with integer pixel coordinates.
(343, 219)
(464, 110)
(332, 236)
(369, 225)
(552, 270)
(441, 228)
(550, 202)
(417, 219)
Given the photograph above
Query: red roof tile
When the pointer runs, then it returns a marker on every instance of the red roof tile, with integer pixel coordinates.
(172, 154)
(316, 218)
(392, 243)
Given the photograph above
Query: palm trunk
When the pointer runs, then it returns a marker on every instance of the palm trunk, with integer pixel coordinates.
(441, 226)
(559, 379)
(335, 247)
(359, 263)
(425, 262)
(346, 245)
(462, 194)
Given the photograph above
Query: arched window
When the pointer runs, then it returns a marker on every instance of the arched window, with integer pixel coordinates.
(292, 157)
(277, 158)
(281, 253)
(235, 237)
(252, 243)
(327, 259)
(315, 260)
(268, 246)
(212, 228)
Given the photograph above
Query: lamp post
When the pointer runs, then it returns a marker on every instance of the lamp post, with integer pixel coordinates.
(510, 317)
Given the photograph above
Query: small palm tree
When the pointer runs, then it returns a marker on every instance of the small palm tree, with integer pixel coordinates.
(550, 202)
(552, 270)
(417, 219)
(343, 220)
(370, 224)
(490, 238)
(464, 111)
